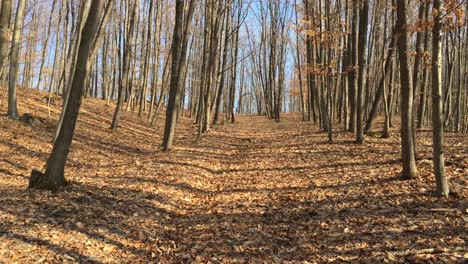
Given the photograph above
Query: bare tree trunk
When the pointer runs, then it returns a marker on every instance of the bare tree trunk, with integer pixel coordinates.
(380, 88)
(73, 52)
(425, 78)
(354, 74)
(54, 174)
(4, 31)
(99, 36)
(12, 104)
(386, 128)
(407, 144)
(44, 46)
(223, 65)
(442, 188)
(56, 57)
(126, 66)
(146, 66)
(178, 50)
(299, 65)
(363, 25)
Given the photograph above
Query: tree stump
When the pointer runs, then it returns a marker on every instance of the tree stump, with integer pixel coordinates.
(30, 120)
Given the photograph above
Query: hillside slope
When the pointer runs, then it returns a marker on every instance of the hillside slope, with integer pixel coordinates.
(253, 191)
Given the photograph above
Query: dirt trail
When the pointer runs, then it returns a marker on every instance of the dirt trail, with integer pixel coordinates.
(253, 191)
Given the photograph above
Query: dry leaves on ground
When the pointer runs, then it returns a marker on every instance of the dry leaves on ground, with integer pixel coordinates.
(253, 191)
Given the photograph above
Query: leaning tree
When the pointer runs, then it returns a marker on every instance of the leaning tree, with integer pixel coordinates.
(55, 169)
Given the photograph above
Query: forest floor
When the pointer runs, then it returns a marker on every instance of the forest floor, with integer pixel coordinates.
(249, 192)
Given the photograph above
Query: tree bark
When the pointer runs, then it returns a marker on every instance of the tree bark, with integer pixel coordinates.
(12, 103)
(380, 88)
(44, 46)
(407, 144)
(363, 25)
(354, 74)
(442, 188)
(176, 50)
(54, 175)
(4, 31)
(126, 67)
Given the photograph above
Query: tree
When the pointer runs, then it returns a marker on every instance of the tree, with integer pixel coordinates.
(363, 25)
(178, 51)
(126, 66)
(54, 176)
(227, 28)
(72, 58)
(442, 188)
(407, 144)
(354, 74)
(12, 104)
(44, 47)
(4, 31)
(99, 37)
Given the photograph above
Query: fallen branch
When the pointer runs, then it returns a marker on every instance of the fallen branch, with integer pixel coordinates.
(425, 251)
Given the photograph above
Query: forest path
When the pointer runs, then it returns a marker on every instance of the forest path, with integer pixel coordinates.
(260, 190)
(253, 191)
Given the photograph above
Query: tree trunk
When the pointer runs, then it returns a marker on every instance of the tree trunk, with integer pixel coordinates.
(85, 7)
(363, 25)
(44, 46)
(442, 188)
(223, 65)
(54, 175)
(407, 144)
(354, 74)
(126, 67)
(425, 77)
(176, 50)
(380, 88)
(12, 104)
(4, 31)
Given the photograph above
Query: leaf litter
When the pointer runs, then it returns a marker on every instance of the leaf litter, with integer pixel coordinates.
(249, 192)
